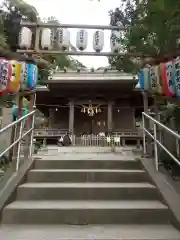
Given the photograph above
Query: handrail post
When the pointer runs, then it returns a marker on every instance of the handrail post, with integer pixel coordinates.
(33, 106)
(19, 146)
(17, 129)
(32, 133)
(144, 135)
(155, 147)
(30, 124)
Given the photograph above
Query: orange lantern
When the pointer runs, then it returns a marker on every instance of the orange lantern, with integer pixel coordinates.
(14, 85)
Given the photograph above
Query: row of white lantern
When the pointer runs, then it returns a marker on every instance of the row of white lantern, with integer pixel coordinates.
(63, 39)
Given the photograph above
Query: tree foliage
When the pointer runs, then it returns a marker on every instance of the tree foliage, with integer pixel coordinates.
(152, 29)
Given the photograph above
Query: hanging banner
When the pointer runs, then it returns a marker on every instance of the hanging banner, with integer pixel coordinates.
(176, 79)
(167, 79)
(5, 75)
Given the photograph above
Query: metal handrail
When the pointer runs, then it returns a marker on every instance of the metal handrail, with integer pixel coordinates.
(21, 136)
(176, 135)
(16, 122)
(156, 141)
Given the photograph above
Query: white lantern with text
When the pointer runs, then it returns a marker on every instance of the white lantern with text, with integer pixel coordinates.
(46, 38)
(63, 39)
(25, 38)
(82, 39)
(115, 44)
(98, 41)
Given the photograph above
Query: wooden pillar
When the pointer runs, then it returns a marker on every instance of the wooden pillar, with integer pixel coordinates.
(134, 118)
(110, 116)
(51, 117)
(71, 117)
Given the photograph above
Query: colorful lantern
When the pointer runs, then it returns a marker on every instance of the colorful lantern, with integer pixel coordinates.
(5, 75)
(82, 39)
(14, 85)
(24, 75)
(141, 80)
(167, 79)
(146, 77)
(25, 38)
(32, 76)
(176, 79)
(63, 39)
(98, 41)
(153, 80)
(157, 71)
(46, 38)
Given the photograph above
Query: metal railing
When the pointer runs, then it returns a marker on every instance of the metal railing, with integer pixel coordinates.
(21, 129)
(158, 142)
(49, 132)
(59, 132)
(90, 140)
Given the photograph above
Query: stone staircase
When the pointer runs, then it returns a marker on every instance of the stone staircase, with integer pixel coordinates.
(99, 196)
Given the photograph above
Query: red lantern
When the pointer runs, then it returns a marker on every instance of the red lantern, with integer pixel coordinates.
(167, 78)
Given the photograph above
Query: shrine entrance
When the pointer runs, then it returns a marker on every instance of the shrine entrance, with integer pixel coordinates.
(90, 119)
(93, 126)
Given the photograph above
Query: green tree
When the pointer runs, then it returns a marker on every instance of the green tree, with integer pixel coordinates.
(152, 28)
(12, 13)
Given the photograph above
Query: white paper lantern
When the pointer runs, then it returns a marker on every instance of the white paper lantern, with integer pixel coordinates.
(115, 42)
(82, 39)
(24, 75)
(63, 38)
(98, 41)
(25, 38)
(46, 38)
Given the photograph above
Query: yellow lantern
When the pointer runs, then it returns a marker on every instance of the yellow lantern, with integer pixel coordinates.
(15, 76)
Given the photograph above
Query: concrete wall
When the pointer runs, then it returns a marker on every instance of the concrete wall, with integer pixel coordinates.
(5, 138)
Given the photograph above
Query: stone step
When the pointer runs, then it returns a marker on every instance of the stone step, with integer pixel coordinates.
(86, 212)
(87, 164)
(96, 232)
(87, 191)
(87, 175)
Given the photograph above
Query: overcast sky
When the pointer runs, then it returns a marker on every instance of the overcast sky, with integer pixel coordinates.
(80, 12)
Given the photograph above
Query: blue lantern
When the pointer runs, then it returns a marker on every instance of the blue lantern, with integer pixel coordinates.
(141, 79)
(140, 84)
(32, 76)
